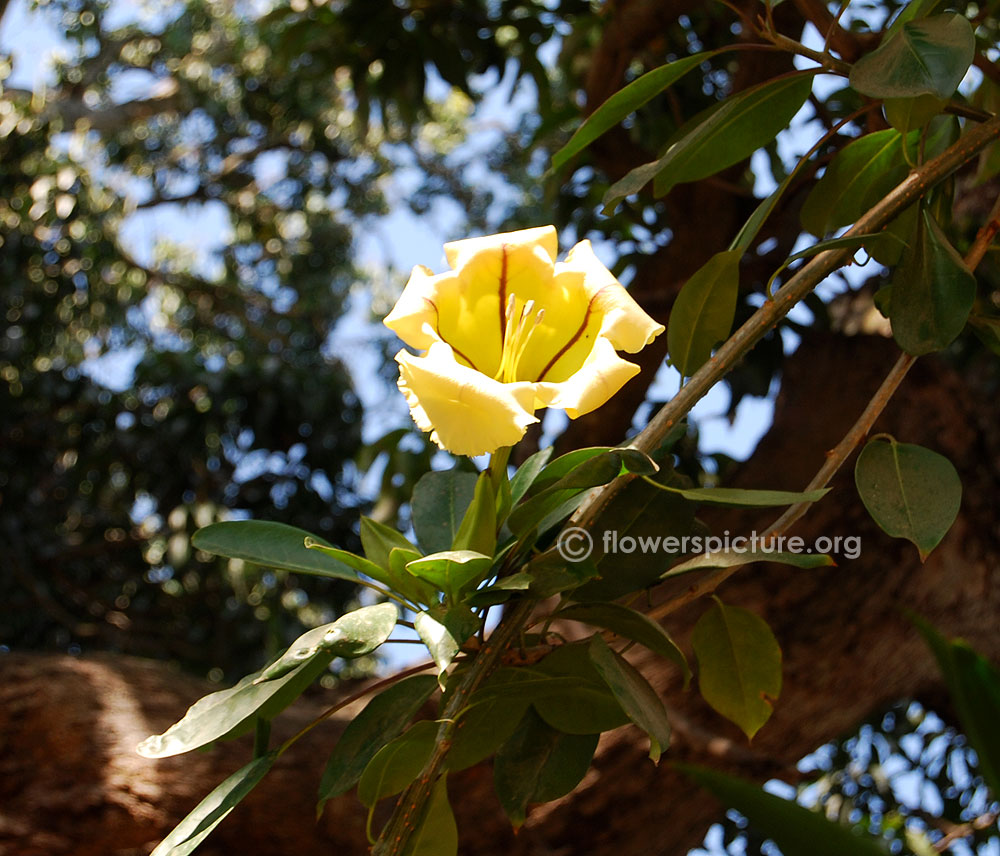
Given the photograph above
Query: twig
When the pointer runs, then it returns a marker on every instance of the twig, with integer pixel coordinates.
(838, 455)
(798, 286)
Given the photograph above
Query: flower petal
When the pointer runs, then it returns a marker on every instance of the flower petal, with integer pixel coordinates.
(469, 413)
(602, 374)
(417, 307)
(543, 237)
(625, 324)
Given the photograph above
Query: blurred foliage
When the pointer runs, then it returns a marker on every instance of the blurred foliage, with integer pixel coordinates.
(905, 776)
(235, 406)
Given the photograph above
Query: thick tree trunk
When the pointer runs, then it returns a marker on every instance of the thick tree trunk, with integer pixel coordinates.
(71, 783)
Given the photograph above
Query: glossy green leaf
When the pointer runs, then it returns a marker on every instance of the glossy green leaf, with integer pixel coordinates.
(702, 316)
(275, 545)
(861, 174)
(478, 529)
(725, 135)
(929, 56)
(636, 461)
(910, 492)
(734, 558)
(596, 469)
(537, 764)
(415, 590)
(796, 830)
(378, 540)
(358, 563)
(397, 763)
(526, 474)
(747, 498)
(265, 693)
(438, 505)
(637, 698)
(212, 810)
(932, 291)
(629, 624)
(353, 635)
(843, 242)
(739, 665)
(451, 570)
(437, 834)
(974, 687)
(382, 720)
(588, 706)
(441, 643)
(627, 100)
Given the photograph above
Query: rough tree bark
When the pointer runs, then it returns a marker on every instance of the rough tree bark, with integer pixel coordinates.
(70, 783)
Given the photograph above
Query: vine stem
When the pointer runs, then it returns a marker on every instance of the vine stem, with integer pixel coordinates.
(409, 811)
(785, 298)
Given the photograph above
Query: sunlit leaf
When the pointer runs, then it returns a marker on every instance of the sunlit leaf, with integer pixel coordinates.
(702, 316)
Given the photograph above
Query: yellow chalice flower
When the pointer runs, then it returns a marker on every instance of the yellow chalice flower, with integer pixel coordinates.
(509, 330)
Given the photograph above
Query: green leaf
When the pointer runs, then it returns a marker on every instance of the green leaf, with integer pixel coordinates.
(500, 591)
(597, 469)
(491, 717)
(527, 473)
(655, 520)
(478, 529)
(722, 136)
(627, 100)
(397, 763)
(862, 173)
(974, 686)
(910, 492)
(925, 57)
(265, 693)
(702, 315)
(438, 505)
(551, 573)
(910, 12)
(451, 570)
(637, 698)
(212, 810)
(907, 114)
(358, 563)
(441, 644)
(629, 624)
(734, 558)
(932, 291)
(437, 834)
(275, 545)
(538, 764)
(796, 830)
(739, 665)
(379, 540)
(383, 719)
(747, 498)
(403, 582)
(585, 707)
(636, 461)
(353, 635)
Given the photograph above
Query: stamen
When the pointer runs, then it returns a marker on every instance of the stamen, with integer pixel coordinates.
(516, 337)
